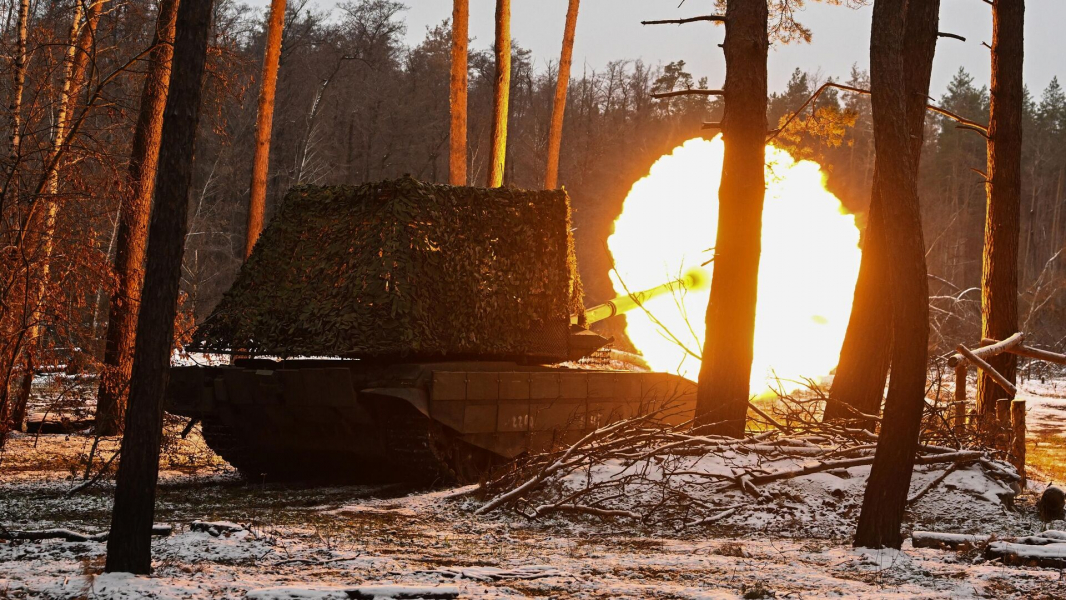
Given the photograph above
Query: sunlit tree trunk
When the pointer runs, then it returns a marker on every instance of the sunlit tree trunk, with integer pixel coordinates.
(458, 92)
(501, 93)
(263, 124)
(18, 75)
(82, 41)
(722, 397)
(897, 195)
(866, 352)
(11, 191)
(555, 135)
(132, 238)
(129, 545)
(999, 281)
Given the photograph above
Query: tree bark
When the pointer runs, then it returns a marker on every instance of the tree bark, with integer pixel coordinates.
(263, 124)
(555, 134)
(999, 281)
(885, 499)
(129, 545)
(82, 40)
(501, 93)
(12, 186)
(866, 352)
(132, 238)
(724, 381)
(19, 77)
(458, 92)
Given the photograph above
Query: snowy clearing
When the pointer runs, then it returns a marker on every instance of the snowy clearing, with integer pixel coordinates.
(304, 542)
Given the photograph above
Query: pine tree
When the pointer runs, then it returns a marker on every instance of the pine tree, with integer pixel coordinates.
(129, 545)
(132, 238)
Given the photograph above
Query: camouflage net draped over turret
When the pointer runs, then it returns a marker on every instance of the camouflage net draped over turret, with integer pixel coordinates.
(405, 269)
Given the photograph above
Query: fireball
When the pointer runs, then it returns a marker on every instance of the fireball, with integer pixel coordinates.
(810, 261)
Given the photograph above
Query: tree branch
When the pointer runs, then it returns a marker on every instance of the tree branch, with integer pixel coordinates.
(661, 95)
(712, 18)
(954, 36)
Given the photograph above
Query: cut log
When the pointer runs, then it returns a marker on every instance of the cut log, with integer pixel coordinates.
(987, 351)
(1037, 353)
(1017, 447)
(1049, 555)
(402, 592)
(960, 398)
(987, 368)
(946, 541)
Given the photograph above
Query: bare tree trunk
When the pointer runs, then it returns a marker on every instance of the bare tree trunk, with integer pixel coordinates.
(129, 546)
(82, 40)
(724, 381)
(867, 349)
(885, 499)
(132, 239)
(501, 93)
(11, 189)
(458, 92)
(999, 282)
(263, 124)
(19, 77)
(555, 135)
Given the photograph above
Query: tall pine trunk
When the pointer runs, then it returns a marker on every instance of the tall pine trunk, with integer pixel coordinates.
(866, 353)
(999, 281)
(263, 125)
(129, 545)
(555, 135)
(132, 238)
(501, 93)
(897, 196)
(724, 381)
(458, 92)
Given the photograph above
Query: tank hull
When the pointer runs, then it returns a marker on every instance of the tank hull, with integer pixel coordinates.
(356, 421)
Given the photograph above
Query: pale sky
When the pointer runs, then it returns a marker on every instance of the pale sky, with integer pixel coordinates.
(610, 29)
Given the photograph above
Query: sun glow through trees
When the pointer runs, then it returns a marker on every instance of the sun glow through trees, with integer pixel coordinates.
(810, 260)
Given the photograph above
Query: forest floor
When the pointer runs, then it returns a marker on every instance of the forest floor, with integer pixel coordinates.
(312, 542)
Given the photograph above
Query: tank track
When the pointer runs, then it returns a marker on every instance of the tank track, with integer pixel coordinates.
(430, 452)
(227, 444)
(417, 450)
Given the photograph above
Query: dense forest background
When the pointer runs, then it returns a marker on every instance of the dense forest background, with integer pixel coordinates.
(355, 104)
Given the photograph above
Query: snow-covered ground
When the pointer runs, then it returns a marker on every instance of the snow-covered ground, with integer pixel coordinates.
(387, 541)
(305, 542)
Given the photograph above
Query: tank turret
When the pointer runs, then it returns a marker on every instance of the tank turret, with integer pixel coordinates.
(445, 315)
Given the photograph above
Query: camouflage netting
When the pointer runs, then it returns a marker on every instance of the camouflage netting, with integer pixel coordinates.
(405, 269)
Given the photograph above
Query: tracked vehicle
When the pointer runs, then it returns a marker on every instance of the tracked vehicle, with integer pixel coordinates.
(408, 331)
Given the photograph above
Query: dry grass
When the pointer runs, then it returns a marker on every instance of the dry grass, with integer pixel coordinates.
(1046, 452)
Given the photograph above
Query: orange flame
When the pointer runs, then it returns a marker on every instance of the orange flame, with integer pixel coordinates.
(810, 261)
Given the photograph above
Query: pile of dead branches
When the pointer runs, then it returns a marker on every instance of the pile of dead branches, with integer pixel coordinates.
(677, 477)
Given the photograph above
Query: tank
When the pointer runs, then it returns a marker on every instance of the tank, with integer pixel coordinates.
(405, 331)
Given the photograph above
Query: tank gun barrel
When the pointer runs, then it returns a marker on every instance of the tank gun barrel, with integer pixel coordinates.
(694, 279)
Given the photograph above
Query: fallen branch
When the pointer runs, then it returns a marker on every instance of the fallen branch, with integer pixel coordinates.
(932, 484)
(73, 536)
